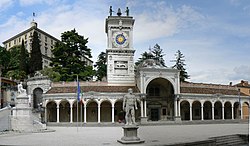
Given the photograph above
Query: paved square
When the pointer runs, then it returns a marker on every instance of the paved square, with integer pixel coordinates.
(94, 136)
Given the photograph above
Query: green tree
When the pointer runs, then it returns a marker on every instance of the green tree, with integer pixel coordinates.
(101, 66)
(69, 54)
(36, 55)
(158, 54)
(180, 65)
(13, 65)
(54, 76)
(155, 53)
(4, 60)
(145, 55)
(14, 61)
(23, 59)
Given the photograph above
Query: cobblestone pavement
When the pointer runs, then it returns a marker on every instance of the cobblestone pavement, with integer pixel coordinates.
(94, 136)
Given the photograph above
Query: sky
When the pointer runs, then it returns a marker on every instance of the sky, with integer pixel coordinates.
(213, 35)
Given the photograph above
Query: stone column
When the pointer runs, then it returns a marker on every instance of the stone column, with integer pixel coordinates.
(191, 118)
(145, 108)
(85, 113)
(175, 108)
(212, 112)
(202, 113)
(142, 110)
(223, 112)
(58, 112)
(113, 113)
(99, 113)
(45, 115)
(232, 113)
(71, 113)
(179, 108)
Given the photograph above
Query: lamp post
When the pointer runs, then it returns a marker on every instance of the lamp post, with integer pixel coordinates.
(240, 112)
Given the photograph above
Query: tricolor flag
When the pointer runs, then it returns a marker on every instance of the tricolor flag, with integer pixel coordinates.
(78, 91)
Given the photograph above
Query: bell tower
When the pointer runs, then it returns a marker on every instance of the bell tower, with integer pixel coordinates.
(120, 51)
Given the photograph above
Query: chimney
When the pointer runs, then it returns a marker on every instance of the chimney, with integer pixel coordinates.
(33, 24)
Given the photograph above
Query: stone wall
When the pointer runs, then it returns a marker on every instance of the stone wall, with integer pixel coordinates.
(5, 119)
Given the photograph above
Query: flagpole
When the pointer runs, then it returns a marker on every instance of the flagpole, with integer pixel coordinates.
(81, 112)
(77, 105)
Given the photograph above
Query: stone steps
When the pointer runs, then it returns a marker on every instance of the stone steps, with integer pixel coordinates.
(229, 140)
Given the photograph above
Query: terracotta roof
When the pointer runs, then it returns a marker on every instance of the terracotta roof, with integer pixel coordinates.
(116, 89)
(198, 90)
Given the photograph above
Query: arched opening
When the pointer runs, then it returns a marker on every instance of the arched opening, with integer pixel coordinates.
(37, 97)
(106, 111)
(51, 111)
(92, 111)
(119, 113)
(228, 110)
(160, 100)
(80, 113)
(237, 110)
(245, 110)
(185, 110)
(207, 110)
(64, 111)
(217, 110)
(196, 110)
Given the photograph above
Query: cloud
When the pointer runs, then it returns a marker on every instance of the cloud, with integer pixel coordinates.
(241, 72)
(33, 2)
(11, 27)
(164, 21)
(221, 75)
(4, 4)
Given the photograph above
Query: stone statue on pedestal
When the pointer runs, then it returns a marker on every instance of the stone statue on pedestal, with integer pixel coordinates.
(130, 128)
(129, 106)
(20, 88)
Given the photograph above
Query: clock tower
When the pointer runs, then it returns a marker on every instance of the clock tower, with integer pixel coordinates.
(120, 51)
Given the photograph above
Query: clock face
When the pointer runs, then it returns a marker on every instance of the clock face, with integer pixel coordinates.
(120, 39)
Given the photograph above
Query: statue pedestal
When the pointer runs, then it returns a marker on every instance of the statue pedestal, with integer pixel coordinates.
(130, 135)
(22, 118)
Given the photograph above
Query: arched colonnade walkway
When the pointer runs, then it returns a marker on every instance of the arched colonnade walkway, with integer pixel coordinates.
(213, 110)
(91, 110)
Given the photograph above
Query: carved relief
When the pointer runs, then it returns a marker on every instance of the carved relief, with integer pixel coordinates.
(121, 64)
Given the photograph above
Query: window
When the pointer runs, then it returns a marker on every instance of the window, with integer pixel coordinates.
(51, 42)
(46, 51)
(9, 44)
(45, 39)
(153, 91)
(19, 40)
(14, 42)
(25, 37)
